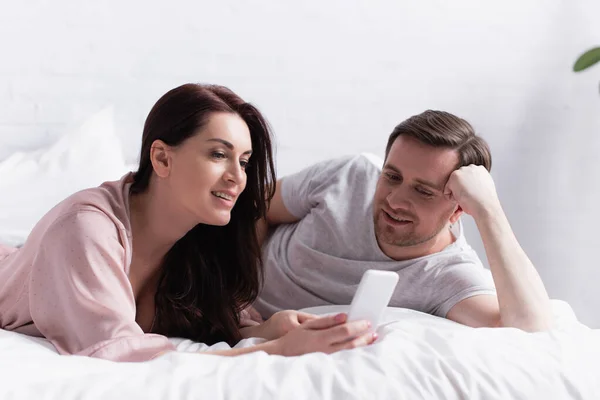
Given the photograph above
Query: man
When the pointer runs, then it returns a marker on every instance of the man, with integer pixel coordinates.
(339, 218)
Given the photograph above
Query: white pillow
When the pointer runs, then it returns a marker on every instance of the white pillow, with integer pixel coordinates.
(31, 183)
(375, 159)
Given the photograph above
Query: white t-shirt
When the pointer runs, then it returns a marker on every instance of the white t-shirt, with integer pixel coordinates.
(321, 259)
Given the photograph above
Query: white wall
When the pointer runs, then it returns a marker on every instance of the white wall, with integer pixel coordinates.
(335, 77)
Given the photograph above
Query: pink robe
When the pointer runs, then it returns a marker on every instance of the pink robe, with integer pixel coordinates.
(69, 282)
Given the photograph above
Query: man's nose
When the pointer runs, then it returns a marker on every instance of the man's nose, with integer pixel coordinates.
(398, 198)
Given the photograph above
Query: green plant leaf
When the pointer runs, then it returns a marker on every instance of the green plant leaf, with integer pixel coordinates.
(587, 59)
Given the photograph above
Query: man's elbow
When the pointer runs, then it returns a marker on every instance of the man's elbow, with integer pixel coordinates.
(528, 323)
(262, 228)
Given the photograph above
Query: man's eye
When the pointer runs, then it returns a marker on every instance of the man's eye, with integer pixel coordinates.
(424, 192)
(392, 177)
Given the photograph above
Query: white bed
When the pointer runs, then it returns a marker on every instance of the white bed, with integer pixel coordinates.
(417, 356)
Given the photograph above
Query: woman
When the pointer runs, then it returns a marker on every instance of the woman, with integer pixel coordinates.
(111, 271)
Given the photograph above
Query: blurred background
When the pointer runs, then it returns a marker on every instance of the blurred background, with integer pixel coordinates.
(77, 80)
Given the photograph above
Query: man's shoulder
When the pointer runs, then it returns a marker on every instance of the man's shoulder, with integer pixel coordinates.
(343, 170)
(364, 161)
(371, 160)
(457, 253)
(363, 166)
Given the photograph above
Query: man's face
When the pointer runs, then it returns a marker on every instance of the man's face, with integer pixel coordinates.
(409, 207)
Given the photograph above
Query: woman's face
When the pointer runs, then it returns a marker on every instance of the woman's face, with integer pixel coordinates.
(207, 172)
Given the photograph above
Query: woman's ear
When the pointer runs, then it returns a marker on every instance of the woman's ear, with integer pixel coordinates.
(160, 157)
(456, 215)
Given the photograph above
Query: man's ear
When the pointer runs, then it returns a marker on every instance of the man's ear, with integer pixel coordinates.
(160, 157)
(456, 215)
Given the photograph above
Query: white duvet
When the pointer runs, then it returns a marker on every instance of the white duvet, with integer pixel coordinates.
(418, 356)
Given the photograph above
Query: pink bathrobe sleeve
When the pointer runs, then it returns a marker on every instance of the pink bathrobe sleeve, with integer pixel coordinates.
(80, 296)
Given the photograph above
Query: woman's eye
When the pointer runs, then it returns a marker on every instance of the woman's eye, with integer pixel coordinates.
(217, 154)
(244, 164)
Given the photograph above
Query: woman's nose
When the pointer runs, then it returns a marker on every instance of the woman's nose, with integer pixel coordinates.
(234, 173)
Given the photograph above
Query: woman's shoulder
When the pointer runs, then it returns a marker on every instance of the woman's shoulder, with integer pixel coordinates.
(110, 197)
(94, 209)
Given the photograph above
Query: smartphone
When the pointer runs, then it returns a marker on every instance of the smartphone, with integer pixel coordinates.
(372, 296)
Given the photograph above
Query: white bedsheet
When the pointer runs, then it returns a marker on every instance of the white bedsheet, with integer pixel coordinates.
(418, 356)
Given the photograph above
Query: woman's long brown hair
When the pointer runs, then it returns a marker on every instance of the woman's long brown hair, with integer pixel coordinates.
(212, 272)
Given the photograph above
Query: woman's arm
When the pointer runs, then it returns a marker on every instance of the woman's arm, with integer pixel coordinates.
(80, 297)
(323, 334)
(278, 325)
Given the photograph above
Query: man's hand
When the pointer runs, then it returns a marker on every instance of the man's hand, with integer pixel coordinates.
(472, 187)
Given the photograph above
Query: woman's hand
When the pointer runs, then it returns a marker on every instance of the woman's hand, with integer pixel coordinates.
(278, 325)
(316, 334)
(251, 313)
(324, 334)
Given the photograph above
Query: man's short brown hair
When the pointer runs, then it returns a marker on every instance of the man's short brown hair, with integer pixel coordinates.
(442, 129)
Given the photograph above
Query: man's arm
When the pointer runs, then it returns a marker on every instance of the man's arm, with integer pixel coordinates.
(276, 214)
(522, 300)
(480, 311)
(297, 194)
